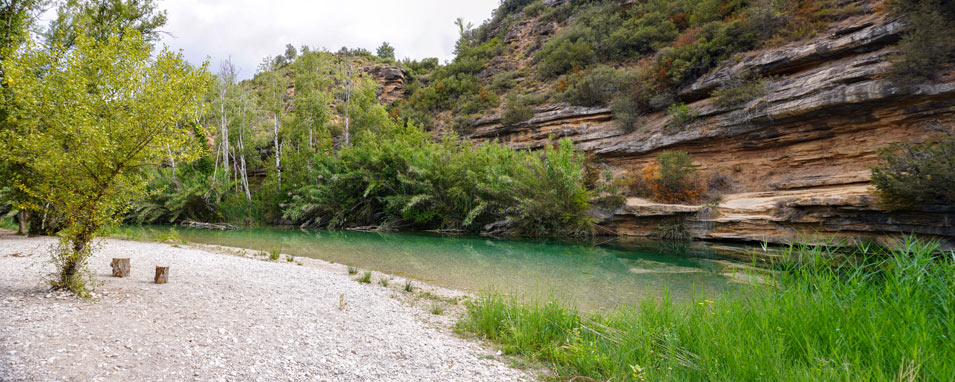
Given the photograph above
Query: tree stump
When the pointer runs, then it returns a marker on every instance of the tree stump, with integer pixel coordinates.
(120, 267)
(162, 275)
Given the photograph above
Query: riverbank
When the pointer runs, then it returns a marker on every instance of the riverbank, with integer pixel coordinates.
(224, 316)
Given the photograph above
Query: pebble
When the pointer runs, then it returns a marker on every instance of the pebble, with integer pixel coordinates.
(223, 317)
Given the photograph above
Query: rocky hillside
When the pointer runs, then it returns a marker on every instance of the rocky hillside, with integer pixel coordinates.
(798, 155)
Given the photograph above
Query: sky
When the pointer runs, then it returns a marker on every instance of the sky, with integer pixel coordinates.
(249, 30)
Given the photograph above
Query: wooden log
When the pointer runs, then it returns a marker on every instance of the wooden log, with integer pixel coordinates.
(120, 267)
(214, 226)
(162, 275)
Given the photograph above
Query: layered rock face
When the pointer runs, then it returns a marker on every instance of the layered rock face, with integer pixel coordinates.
(392, 82)
(798, 158)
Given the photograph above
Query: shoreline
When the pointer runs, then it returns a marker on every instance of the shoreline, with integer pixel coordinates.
(226, 315)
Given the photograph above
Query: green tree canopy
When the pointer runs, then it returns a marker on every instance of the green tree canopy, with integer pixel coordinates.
(87, 120)
(100, 19)
(386, 51)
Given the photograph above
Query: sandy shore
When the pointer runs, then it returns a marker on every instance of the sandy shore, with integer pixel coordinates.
(229, 317)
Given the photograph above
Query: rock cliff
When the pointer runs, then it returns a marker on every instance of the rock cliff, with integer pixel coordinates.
(799, 157)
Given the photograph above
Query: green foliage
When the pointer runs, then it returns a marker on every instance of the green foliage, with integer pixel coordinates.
(386, 52)
(352, 270)
(365, 278)
(516, 110)
(405, 179)
(626, 111)
(561, 55)
(409, 287)
(455, 86)
(680, 113)
(100, 19)
(275, 253)
(535, 8)
(929, 41)
(740, 90)
(594, 86)
(170, 237)
(89, 122)
(192, 193)
(867, 315)
(676, 176)
(916, 175)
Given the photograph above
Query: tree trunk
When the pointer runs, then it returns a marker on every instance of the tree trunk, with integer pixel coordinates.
(172, 161)
(347, 101)
(162, 275)
(225, 132)
(242, 169)
(120, 267)
(278, 150)
(23, 218)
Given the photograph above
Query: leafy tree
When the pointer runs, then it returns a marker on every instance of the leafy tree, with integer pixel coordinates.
(386, 52)
(16, 17)
(290, 53)
(100, 19)
(87, 121)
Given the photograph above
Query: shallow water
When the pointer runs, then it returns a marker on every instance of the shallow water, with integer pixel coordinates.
(588, 275)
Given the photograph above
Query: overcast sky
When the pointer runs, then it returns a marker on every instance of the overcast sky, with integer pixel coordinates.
(249, 30)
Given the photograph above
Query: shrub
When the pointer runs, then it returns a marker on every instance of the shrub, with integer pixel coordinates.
(740, 89)
(409, 181)
(672, 179)
(516, 110)
(676, 181)
(365, 278)
(680, 114)
(914, 175)
(560, 55)
(275, 253)
(626, 111)
(594, 86)
(929, 40)
(535, 8)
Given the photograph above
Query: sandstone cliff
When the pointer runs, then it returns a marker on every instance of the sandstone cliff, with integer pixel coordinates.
(799, 157)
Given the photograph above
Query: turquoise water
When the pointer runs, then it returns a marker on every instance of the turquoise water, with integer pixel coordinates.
(589, 275)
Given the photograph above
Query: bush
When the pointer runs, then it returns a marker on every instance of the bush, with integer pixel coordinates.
(929, 40)
(534, 9)
(739, 90)
(672, 179)
(915, 175)
(191, 193)
(560, 55)
(680, 114)
(594, 86)
(626, 111)
(404, 179)
(516, 110)
(677, 180)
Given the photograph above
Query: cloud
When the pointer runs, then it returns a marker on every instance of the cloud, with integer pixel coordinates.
(250, 30)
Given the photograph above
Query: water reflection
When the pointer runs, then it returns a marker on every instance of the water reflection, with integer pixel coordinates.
(592, 275)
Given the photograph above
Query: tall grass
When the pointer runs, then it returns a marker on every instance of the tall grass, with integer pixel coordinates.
(871, 314)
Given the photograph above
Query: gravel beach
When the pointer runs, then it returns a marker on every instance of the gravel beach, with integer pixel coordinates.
(222, 317)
